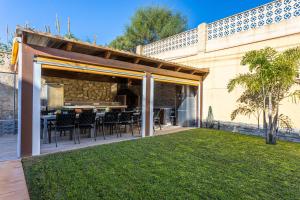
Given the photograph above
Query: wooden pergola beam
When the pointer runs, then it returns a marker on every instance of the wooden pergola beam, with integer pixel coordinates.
(107, 54)
(69, 46)
(89, 59)
(136, 60)
(178, 69)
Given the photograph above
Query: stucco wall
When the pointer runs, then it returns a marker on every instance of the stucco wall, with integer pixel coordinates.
(223, 55)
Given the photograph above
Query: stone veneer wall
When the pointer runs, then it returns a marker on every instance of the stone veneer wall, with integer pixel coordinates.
(7, 107)
(84, 90)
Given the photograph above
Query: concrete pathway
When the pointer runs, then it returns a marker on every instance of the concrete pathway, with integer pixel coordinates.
(12, 181)
(8, 147)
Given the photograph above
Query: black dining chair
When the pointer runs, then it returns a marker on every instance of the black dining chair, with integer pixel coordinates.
(110, 120)
(156, 118)
(125, 118)
(137, 120)
(65, 122)
(86, 121)
(173, 117)
(100, 126)
(50, 123)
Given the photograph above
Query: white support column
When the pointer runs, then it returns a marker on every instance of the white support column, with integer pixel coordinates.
(144, 107)
(19, 97)
(151, 104)
(147, 106)
(36, 109)
(198, 106)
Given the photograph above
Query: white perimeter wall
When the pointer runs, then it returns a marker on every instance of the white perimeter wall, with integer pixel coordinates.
(223, 55)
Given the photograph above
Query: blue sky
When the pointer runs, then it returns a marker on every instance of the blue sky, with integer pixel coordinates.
(107, 19)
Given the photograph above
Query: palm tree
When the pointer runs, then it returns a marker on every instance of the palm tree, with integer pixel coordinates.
(271, 76)
(250, 104)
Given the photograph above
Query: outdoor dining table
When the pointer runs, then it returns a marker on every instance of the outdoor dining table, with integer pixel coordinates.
(48, 118)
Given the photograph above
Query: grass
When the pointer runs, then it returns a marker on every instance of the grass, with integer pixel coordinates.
(195, 164)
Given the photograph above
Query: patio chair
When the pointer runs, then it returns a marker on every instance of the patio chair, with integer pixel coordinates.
(137, 121)
(125, 118)
(86, 121)
(110, 120)
(65, 122)
(50, 123)
(173, 118)
(156, 118)
(100, 125)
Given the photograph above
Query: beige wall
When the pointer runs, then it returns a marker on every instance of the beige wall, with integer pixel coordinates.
(222, 56)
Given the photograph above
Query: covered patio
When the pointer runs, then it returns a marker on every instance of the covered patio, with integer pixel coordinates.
(59, 76)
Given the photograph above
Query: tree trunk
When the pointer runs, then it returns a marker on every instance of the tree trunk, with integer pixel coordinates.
(270, 133)
(275, 125)
(265, 124)
(258, 115)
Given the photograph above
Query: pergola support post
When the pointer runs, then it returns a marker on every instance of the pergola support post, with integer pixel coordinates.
(25, 100)
(36, 106)
(199, 104)
(147, 105)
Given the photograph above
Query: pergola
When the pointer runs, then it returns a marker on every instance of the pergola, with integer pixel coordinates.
(34, 51)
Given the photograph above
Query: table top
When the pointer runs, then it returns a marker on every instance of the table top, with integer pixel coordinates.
(77, 115)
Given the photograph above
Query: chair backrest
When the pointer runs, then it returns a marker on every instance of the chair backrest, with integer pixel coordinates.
(65, 119)
(173, 112)
(136, 116)
(87, 110)
(110, 117)
(157, 113)
(125, 116)
(117, 110)
(87, 117)
(44, 112)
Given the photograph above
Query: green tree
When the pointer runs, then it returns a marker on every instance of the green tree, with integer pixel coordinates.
(148, 25)
(121, 42)
(271, 76)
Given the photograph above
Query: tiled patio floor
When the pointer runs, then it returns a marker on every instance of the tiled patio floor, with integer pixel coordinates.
(168, 129)
(64, 144)
(8, 147)
(12, 181)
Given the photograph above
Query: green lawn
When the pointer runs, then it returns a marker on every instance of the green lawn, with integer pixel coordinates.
(195, 164)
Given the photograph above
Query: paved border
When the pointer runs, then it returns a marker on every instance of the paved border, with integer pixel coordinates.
(12, 181)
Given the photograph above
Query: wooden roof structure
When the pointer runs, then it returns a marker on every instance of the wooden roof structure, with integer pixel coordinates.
(36, 53)
(55, 43)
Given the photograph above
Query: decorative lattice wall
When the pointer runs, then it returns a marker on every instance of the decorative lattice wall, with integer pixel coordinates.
(181, 40)
(267, 14)
(270, 13)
